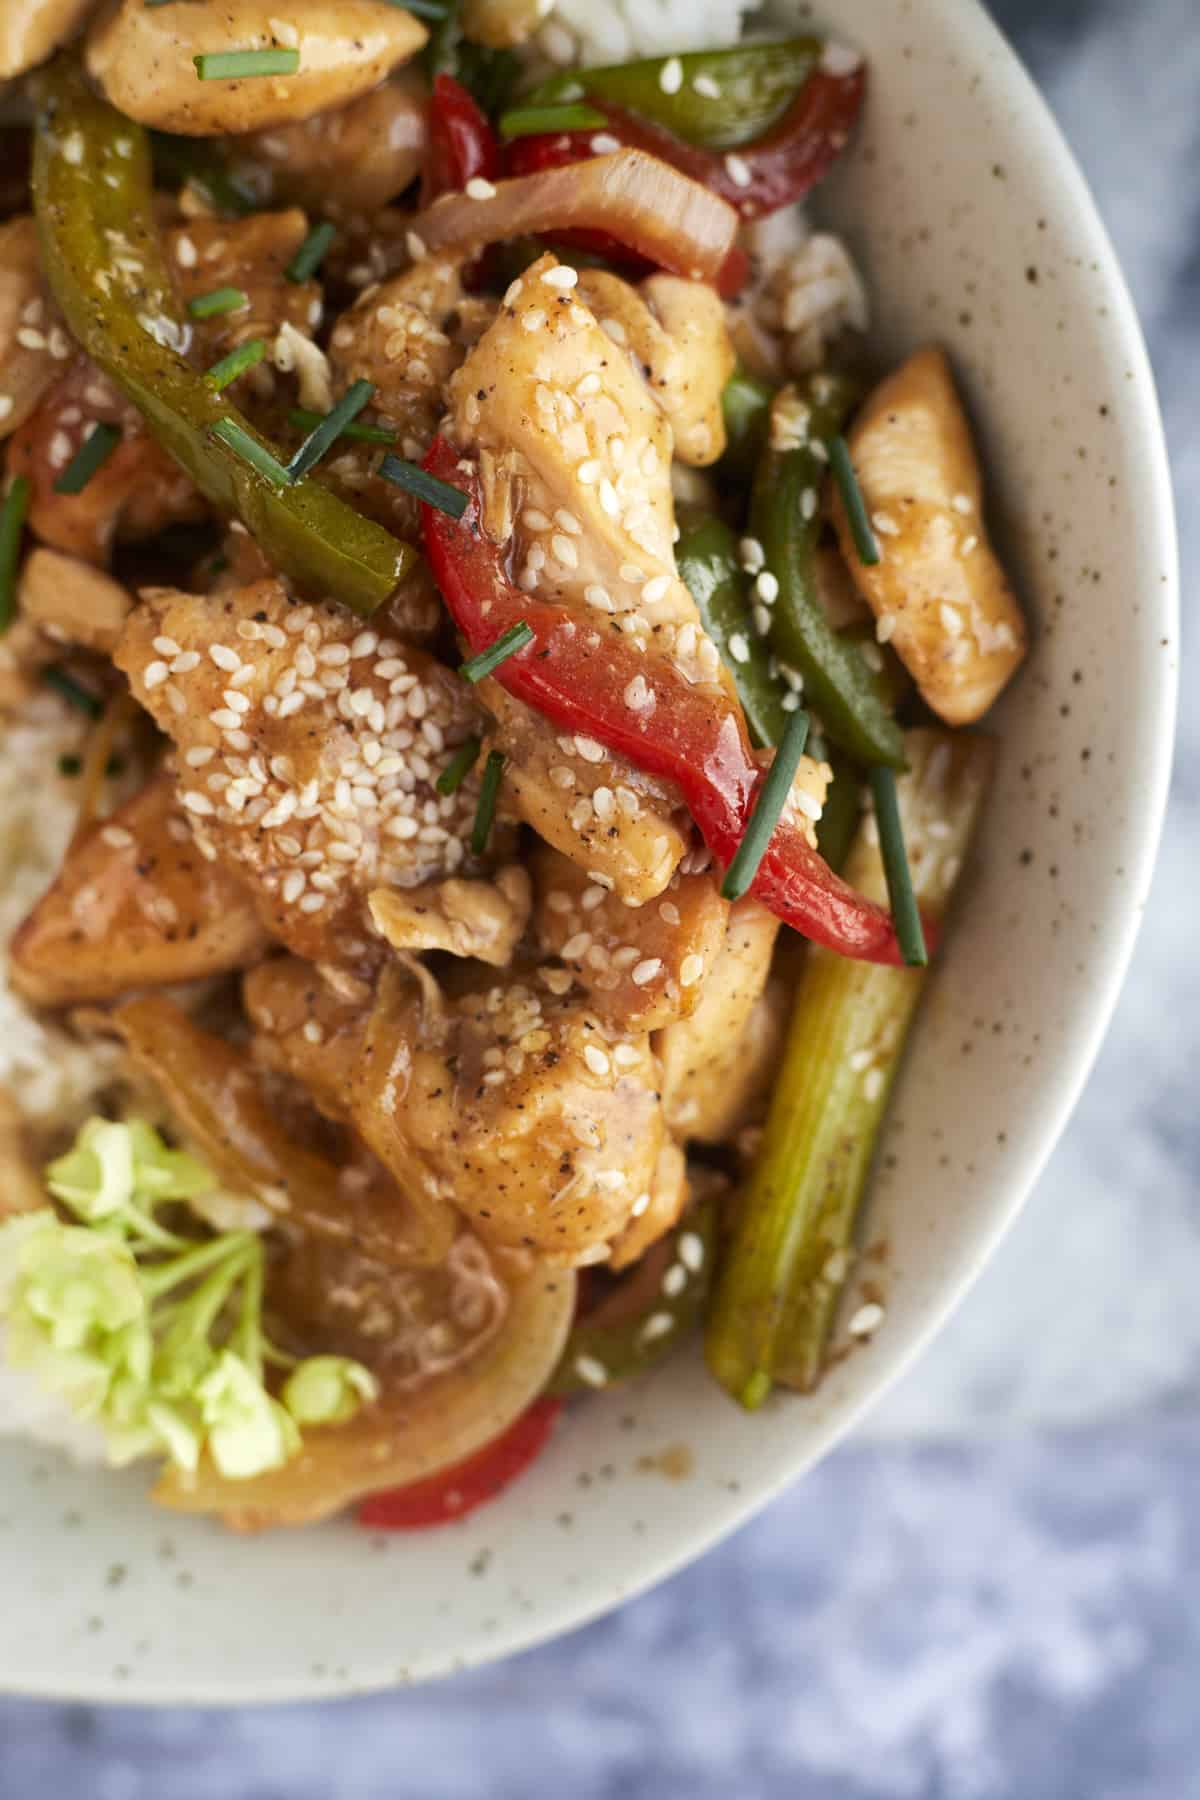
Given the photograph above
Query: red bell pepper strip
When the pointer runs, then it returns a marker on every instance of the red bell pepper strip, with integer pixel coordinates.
(458, 1490)
(462, 143)
(691, 736)
(757, 178)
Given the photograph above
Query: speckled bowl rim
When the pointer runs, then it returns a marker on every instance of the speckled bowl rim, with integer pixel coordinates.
(965, 26)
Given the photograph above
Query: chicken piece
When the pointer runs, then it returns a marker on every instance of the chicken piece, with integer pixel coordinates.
(32, 30)
(71, 601)
(141, 56)
(520, 1107)
(134, 905)
(481, 919)
(251, 254)
(619, 825)
(351, 160)
(33, 342)
(667, 1199)
(644, 966)
(309, 746)
(712, 1061)
(938, 592)
(675, 334)
(135, 493)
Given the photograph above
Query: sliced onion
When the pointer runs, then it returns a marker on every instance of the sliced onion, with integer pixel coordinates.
(406, 1436)
(654, 209)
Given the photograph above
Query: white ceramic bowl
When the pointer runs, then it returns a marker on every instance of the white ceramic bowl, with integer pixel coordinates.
(974, 227)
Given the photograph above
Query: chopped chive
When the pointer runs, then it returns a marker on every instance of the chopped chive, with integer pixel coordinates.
(251, 451)
(506, 645)
(905, 911)
(236, 363)
(307, 259)
(304, 420)
(533, 121)
(221, 300)
(357, 395)
(234, 65)
(739, 877)
(94, 451)
(485, 812)
(72, 691)
(459, 767)
(415, 481)
(12, 524)
(852, 500)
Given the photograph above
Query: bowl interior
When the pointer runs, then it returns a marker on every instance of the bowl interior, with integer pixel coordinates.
(975, 229)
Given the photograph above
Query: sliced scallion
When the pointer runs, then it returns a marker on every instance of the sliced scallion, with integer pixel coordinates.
(459, 767)
(772, 798)
(94, 451)
(485, 812)
(905, 911)
(852, 500)
(308, 257)
(415, 481)
(236, 363)
(12, 524)
(506, 645)
(357, 395)
(221, 300)
(305, 420)
(238, 65)
(72, 691)
(251, 451)
(533, 121)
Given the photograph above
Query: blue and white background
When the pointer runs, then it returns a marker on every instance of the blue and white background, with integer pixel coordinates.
(994, 1590)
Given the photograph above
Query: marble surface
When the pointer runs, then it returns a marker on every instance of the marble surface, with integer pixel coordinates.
(995, 1590)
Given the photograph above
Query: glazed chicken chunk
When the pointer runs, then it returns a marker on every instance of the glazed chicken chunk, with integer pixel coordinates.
(308, 749)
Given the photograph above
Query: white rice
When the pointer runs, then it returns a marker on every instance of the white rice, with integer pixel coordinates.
(51, 1075)
(582, 31)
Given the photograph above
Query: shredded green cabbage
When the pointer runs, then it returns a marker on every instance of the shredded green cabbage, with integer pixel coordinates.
(157, 1337)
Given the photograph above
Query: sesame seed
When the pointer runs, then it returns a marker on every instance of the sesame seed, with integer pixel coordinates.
(963, 504)
(224, 657)
(690, 970)
(867, 1319)
(116, 837)
(884, 628)
(707, 86)
(639, 696)
(738, 170)
(766, 586)
(752, 554)
(656, 588)
(646, 971)
(576, 946)
(670, 76)
(739, 649)
(560, 277)
(873, 1084)
(674, 1281)
(626, 1057)
(534, 319)
(885, 524)
(951, 619)
(166, 646)
(197, 803)
(613, 329)
(156, 673)
(590, 1370)
(658, 1324)
(479, 188)
(691, 1251)
(589, 749)
(595, 1059)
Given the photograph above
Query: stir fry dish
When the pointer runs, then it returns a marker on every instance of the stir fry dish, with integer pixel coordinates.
(485, 656)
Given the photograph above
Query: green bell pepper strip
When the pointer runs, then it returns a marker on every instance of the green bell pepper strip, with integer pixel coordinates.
(602, 1349)
(746, 406)
(92, 199)
(847, 696)
(755, 83)
(706, 556)
(785, 1267)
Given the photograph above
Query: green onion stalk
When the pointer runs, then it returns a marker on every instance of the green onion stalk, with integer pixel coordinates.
(786, 1264)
